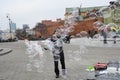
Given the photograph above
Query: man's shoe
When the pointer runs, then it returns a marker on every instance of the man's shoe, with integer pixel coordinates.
(64, 71)
(57, 76)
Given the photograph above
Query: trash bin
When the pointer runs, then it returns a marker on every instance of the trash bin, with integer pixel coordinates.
(90, 73)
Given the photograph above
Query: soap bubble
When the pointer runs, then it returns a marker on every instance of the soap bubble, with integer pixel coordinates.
(35, 56)
(106, 11)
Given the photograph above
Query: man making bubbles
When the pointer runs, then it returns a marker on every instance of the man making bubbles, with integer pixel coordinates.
(58, 53)
(55, 44)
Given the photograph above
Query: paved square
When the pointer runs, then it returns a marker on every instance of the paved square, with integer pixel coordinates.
(13, 65)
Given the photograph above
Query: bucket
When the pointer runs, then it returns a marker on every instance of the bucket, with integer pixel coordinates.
(90, 73)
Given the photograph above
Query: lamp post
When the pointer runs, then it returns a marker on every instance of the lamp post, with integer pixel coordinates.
(10, 22)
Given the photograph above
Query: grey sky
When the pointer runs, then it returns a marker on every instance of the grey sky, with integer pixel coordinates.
(33, 11)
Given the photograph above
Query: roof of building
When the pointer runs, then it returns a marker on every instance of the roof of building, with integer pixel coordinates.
(69, 10)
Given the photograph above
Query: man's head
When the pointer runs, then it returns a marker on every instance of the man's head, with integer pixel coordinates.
(54, 38)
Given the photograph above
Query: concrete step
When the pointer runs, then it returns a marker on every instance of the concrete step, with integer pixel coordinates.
(4, 51)
(1, 49)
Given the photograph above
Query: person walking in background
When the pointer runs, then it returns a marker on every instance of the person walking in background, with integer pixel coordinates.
(68, 37)
(102, 30)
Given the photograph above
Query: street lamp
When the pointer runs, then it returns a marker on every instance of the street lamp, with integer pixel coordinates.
(10, 22)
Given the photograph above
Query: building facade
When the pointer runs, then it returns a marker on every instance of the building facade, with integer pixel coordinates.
(47, 27)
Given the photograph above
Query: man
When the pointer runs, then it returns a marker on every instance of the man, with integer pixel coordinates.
(58, 54)
(102, 29)
(55, 45)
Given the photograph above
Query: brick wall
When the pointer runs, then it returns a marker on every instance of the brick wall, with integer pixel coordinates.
(85, 25)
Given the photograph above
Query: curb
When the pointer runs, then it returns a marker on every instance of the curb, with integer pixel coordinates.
(1, 54)
(1, 50)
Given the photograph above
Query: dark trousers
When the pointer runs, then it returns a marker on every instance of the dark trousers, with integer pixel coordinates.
(104, 34)
(68, 41)
(62, 61)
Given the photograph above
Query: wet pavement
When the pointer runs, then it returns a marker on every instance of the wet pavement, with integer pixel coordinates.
(13, 65)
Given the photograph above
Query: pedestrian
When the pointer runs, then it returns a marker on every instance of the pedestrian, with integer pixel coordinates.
(102, 29)
(103, 33)
(55, 45)
(58, 54)
(68, 37)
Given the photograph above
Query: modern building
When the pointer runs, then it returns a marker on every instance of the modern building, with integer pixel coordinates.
(13, 27)
(25, 26)
(30, 32)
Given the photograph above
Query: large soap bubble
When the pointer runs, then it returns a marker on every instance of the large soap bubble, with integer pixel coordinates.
(106, 12)
(35, 56)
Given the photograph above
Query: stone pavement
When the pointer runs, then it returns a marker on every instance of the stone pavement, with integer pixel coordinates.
(13, 65)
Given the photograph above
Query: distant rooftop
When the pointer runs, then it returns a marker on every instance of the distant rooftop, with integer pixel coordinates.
(83, 9)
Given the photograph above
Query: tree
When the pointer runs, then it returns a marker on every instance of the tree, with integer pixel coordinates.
(42, 28)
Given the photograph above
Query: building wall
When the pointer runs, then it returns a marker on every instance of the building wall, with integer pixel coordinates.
(52, 25)
(37, 34)
(85, 25)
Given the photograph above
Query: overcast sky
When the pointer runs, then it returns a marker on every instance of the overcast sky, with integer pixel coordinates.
(33, 11)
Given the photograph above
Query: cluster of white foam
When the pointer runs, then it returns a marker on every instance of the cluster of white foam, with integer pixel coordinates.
(81, 43)
(35, 56)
